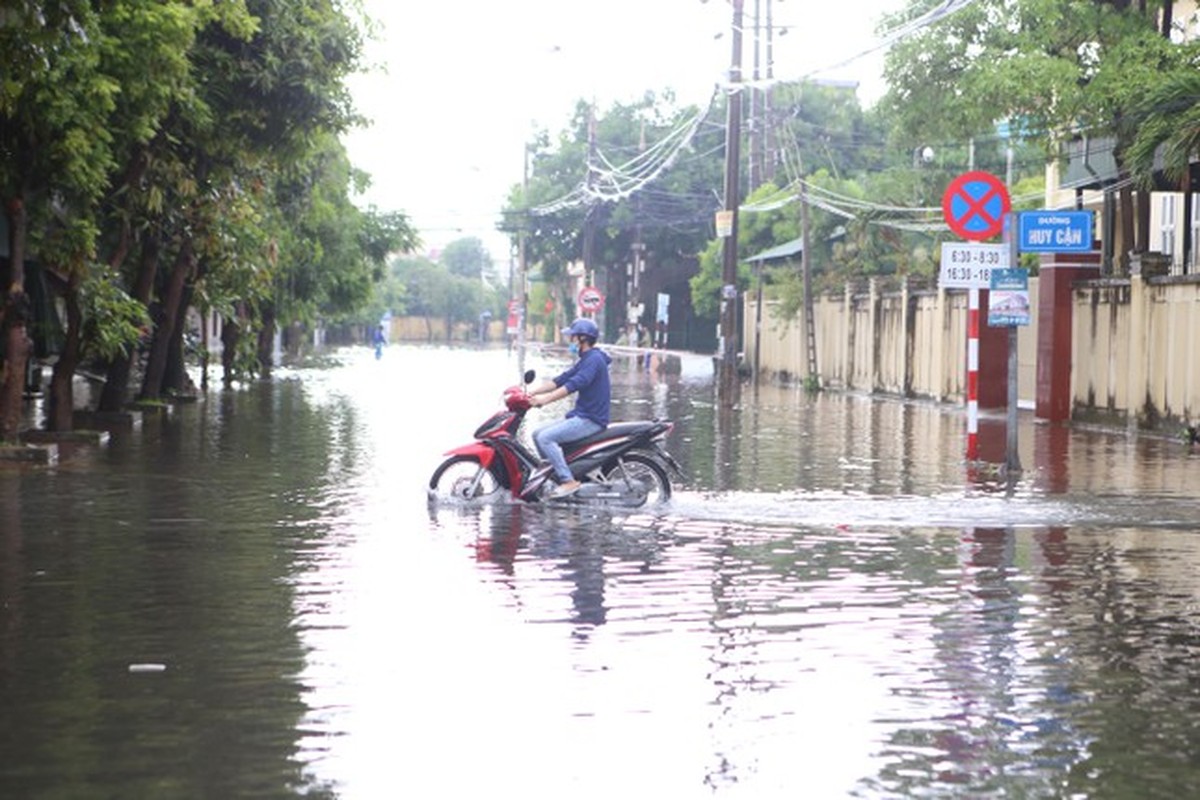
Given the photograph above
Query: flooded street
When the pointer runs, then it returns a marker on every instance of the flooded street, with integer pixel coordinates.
(253, 598)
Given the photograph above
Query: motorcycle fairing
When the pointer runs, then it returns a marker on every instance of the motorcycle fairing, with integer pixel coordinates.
(484, 453)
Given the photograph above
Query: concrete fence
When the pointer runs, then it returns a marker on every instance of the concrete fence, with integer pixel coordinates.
(906, 343)
(1137, 349)
(1116, 350)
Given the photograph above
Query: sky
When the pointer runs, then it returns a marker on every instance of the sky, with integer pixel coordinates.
(457, 87)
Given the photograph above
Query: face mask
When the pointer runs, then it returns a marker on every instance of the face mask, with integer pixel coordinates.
(573, 348)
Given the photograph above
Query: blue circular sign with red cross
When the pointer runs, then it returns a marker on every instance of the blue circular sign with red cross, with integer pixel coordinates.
(975, 204)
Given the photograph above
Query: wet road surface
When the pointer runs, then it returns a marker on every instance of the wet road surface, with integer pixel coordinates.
(252, 597)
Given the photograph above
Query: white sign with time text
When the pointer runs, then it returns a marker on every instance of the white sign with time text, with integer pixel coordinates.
(969, 265)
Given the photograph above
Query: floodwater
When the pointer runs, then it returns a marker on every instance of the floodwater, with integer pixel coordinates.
(252, 597)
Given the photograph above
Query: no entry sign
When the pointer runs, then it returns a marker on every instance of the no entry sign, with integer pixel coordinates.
(975, 204)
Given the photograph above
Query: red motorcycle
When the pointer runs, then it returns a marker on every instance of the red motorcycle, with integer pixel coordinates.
(623, 465)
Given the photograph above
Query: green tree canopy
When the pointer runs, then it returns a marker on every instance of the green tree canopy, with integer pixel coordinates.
(468, 258)
(200, 135)
(580, 182)
(1049, 66)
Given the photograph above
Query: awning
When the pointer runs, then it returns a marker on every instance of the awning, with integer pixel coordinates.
(794, 247)
(1090, 163)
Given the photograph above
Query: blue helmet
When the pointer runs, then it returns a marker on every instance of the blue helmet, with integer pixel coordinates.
(583, 327)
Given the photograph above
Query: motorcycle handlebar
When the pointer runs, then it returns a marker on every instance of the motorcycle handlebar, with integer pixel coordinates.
(516, 399)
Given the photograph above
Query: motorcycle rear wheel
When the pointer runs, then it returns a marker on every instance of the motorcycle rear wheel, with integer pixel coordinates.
(642, 470)
(462, 478)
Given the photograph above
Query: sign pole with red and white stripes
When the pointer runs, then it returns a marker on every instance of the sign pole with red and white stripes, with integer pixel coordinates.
(974, 205)
(972, 374)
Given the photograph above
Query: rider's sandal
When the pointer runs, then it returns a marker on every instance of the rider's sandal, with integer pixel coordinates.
(565, 490)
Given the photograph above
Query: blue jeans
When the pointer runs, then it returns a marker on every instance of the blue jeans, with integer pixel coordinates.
(549, 441)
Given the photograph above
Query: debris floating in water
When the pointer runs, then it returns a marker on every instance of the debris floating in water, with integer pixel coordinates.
(147, 667)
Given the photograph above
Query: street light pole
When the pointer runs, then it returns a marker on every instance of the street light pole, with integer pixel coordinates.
(728, 383)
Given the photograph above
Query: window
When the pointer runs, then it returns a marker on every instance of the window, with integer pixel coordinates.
(1167, 224)
(1195, 229)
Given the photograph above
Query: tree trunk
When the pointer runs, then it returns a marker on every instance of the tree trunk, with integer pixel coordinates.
(116, 386)
(62, 392)
(231, 332)
(15, 327)
(156, 364)
(175, 379)
(1142, 245)
(266, 342)
(1125, 196)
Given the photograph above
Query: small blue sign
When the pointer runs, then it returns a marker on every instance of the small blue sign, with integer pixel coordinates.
(1008, 301)
(1055, 231)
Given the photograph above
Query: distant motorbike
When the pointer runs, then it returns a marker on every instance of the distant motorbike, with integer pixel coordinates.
(624, 465)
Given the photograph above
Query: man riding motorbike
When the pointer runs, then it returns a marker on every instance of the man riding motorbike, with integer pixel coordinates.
(588, 379)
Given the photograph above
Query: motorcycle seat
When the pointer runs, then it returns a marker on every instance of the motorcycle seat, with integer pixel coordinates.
(615, 429)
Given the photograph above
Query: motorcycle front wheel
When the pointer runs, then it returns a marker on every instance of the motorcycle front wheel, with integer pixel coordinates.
(643, 472)
(462, 478)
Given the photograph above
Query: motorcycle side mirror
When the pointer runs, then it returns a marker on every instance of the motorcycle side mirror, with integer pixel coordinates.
(530, 375)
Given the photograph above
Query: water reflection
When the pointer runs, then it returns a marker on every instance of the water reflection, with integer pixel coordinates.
(167, 551)
(832, 605)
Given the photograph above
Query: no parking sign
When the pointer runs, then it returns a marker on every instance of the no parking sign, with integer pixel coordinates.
(975, 204)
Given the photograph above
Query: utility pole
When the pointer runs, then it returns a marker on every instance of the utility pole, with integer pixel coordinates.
(754, 134)
(590, 276)
(522, 266)
(728, 384)
(810, 325)
(1012, 457)
(769, 148)
(633, 300)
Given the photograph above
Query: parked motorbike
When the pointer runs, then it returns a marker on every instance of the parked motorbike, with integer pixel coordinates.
(623, 465)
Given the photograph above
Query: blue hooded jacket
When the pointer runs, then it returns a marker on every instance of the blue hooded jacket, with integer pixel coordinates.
(588, 379)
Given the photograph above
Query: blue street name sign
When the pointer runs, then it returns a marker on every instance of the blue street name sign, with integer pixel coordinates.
(1055, 231)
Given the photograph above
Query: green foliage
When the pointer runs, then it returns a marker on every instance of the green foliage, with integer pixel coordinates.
(541, 298)
(1166, 120)
(467, 258)
(757, 231)
(55, 102)
(419, 287)
(329, 254)
(672, 214)
(1055, 65)
(113, 322)
(197, 121)
(1043, 67)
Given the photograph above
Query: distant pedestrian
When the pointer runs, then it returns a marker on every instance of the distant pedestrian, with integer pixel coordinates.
(379, 339)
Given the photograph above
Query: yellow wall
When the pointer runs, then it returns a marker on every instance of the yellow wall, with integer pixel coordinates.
(863, 343)
(1134, 349)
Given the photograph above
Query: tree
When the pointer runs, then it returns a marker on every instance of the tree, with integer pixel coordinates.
(201, 136)
(467, 258)
(1048, 65)
(590, 194)
(757, 231)
(330, 253)
(418, 287)
(54, 103)
(263, 105)
(1166, 121)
